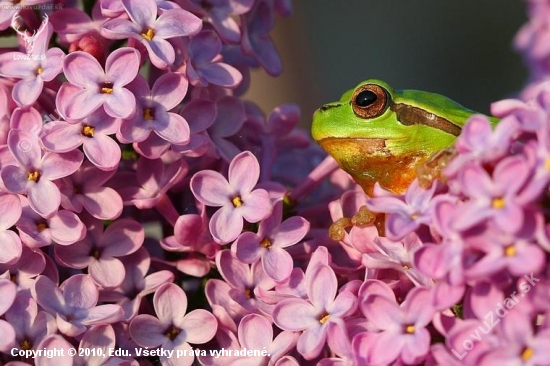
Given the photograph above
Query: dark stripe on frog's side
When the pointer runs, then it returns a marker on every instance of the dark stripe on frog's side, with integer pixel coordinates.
(409, 115)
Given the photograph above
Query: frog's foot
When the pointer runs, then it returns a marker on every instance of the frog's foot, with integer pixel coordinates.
(432, 169)
(362, 218)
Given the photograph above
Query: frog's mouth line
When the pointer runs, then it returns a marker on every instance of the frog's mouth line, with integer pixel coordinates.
(365, 145)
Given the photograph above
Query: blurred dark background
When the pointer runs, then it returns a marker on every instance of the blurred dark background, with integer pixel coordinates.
(458, 48)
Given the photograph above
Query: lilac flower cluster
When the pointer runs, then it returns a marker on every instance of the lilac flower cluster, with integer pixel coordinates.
(160, 210)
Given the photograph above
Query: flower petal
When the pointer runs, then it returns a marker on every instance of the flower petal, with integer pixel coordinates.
(170, 304)
(82, 69)
(143, 13)
(26, 92)
(176, 23)
(121, 104)
(44, 197)
(102, 151)
(200, 326)
(244, 172)
(211, 188)
(226, 224)
(147, 331)
(122, 66)
(55, 166)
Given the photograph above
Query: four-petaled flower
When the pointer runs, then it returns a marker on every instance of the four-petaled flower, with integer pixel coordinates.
(237, 197)
(319, 313)
(270, 242)
(173, 329)
(90, 87)
(152, 32)
(35, 171)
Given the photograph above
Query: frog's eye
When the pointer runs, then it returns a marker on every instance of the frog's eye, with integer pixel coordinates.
(369, 101)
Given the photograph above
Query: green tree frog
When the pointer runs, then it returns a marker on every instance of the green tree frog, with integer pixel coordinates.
(378, 134)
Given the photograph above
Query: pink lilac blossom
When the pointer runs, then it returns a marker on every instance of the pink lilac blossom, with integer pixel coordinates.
(35, 171)
(269, 243)
(41, 65)
(90, 87)
(152, 32)
(100, 250)
(236, 196)
(174, 328)
(144, 203)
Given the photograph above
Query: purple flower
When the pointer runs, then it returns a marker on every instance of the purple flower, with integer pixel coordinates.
(41, 65)
(54, 343)
(100, 249)
(317, 315)
(519, 343)
(63, 227)
(35, 171)
(479, 142)
(152, 32)
(397, 255)
(91, 132)
(497, 199)
(137, 283)
(241, 283)
(9, 292)
(204, 66)
(152, 110)
(236, 197)
(100, 338)
(74, 304)
(230, 116)
(401, 328)
(10, 244)
(200, 114)
(173, 329)
(85, 189)
(269, 243)
(219, 14)
(154, 179)
(516, 253)
(406, 212)
(256, 42)
(256, 333)
(90, 87)
(25, 269)
(31, 326)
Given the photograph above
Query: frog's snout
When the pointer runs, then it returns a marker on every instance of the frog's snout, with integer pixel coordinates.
(326, 107)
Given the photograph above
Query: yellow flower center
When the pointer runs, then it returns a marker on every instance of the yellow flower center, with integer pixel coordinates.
(34, 175)
(172, 333)
(88, 131)
(409, 329)
(510, 250)
(547, 163)
(106, 88)
(265, 243)
(148, 34)
(527, 354)
(148, 114)
(499, 203)
(324, 319)
(25, 345)
(39, 70)
(96, 253)
(237, 201)
(41, 227)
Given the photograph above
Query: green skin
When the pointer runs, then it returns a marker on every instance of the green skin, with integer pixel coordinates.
(388, 147)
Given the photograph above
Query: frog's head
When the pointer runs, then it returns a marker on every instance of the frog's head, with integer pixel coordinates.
(378, 134)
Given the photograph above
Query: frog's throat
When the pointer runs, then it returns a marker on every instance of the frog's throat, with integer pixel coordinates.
(369, 161)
